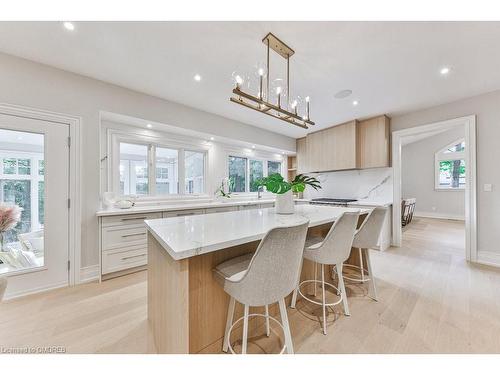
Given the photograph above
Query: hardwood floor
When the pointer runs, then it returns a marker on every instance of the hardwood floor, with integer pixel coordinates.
(430, 301)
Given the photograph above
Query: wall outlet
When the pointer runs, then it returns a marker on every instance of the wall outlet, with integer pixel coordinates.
(488, 187)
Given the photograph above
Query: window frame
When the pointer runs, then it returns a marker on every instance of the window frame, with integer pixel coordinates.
(115, 139)
(442, 155)
(250, 158)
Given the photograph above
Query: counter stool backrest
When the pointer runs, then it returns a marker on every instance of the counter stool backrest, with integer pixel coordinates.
(368, 234)
(336, 247)
(274, 269)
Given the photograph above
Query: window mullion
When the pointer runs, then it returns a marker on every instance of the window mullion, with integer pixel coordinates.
(181, 189)
(152, 169)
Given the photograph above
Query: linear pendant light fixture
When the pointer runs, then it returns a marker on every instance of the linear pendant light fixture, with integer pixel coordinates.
(265, 101)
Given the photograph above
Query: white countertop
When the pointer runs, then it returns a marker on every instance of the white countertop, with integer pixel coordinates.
(188, 236)
(186, 205)
(371, 203)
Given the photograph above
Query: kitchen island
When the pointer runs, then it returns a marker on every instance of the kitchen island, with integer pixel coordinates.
(186, 306)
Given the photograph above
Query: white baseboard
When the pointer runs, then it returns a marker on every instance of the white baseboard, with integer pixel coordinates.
(38, 289)
(488, 258)
(437, 215)
(89, 273)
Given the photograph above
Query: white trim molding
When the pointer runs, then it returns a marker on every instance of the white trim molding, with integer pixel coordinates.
(74, 122)
(437, 215)
(469, 123)
(488, 258)
(89, 274)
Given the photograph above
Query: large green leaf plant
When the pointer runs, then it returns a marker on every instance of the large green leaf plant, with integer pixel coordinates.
(275, 183)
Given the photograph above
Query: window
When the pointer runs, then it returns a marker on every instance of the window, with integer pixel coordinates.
(238, 173)
(133, 169)
(22, 180)
(162, 173)
(194, 166)
(41, 167)
(157, 170)
(9, 166)
(244, 172)
(24, 166)
(167, 171)
(256, 172)
(273, 167)
(450, 168)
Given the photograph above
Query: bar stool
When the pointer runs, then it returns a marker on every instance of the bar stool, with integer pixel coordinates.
(266, 277)
(367, 237)
(333, 250)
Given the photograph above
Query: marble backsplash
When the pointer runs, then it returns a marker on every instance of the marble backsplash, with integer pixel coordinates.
(367, 184)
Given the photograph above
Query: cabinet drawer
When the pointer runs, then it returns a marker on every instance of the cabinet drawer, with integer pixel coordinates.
(183, 213)
(118, 260)
(132, 219)
(115, 237)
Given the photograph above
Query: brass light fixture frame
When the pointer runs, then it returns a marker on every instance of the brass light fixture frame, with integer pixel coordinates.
(258, 103)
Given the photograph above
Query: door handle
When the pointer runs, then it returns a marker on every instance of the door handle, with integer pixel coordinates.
(134, 218)
(134, 256)
(133, 234)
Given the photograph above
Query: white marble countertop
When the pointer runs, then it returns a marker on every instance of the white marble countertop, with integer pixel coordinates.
(188, 236)
(187, 205)
(372, 203)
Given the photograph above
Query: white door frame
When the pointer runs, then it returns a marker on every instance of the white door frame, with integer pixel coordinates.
(469, 122)
(74, 123)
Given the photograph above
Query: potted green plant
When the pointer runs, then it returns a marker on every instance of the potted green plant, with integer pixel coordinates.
(275, 183)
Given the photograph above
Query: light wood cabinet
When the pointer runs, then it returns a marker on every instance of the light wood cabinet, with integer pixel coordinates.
(302, 156)
(332, 149)
(373, 143)
(352, 145)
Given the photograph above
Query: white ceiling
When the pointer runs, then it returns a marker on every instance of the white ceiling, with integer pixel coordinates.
(391, 67)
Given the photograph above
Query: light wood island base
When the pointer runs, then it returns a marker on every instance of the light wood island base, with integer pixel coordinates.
(187, 307)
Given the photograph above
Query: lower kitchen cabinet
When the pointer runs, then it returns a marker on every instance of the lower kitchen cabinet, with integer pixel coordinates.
(123, 237)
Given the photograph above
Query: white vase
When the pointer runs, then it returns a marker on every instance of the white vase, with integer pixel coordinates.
(284, 203)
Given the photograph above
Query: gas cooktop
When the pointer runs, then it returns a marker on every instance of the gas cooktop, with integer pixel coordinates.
(333, 200)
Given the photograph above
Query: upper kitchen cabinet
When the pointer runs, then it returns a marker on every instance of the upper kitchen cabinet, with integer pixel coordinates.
(373, 143)
(353, 145)
(301, 156)
(332, 149)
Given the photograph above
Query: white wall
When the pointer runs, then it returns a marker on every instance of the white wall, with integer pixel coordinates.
(418, 175)
(358, 184)
(487, 109)
(35, 85)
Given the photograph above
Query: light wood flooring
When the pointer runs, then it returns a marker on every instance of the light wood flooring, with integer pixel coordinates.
(430, 301)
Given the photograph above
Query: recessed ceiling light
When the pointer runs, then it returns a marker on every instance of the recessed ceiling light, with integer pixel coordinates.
(69, 26)
(343, 94)
(444, 70)
(197, 77)
(282, 152)
(355, 103)
(253, 146)
(212, 138)
(149, 126)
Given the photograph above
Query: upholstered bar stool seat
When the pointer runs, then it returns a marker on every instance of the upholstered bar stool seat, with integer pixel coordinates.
(233, 269)
(263, 278)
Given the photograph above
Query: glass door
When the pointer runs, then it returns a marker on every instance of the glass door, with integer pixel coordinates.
(34, 172)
